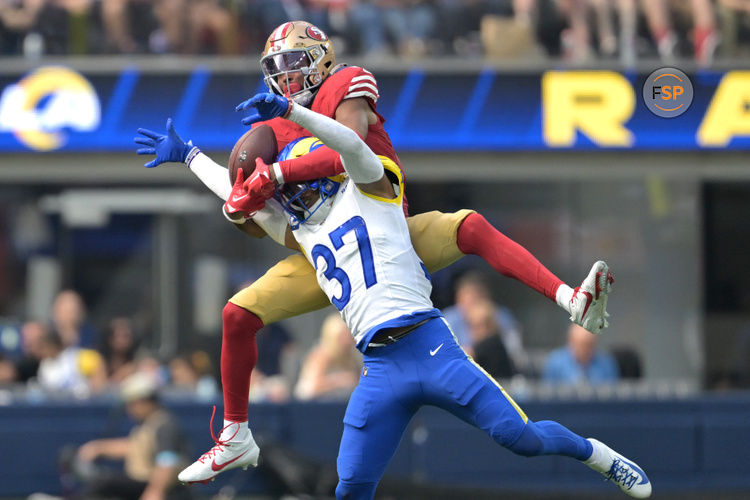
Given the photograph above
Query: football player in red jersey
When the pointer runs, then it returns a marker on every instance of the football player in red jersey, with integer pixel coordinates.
(299, 62)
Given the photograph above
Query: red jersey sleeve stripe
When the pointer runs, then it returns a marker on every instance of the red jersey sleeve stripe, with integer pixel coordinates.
(364, 93)
(364, 78)
(363, 86)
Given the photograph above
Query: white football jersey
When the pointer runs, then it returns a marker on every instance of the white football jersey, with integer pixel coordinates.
(365, 262)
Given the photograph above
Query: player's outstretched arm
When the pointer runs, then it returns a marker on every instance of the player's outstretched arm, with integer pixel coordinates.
(170, 147)
(362, 165)
(324, 161)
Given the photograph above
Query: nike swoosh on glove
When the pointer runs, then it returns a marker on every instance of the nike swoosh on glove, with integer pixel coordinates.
(260, 185)
(242, 204)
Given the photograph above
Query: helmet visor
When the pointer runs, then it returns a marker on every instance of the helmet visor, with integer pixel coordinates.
(295, 60)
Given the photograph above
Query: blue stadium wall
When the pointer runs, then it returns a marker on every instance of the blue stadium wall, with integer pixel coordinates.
(691, 445)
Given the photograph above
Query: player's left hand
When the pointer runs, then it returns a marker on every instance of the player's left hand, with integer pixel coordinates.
(268, 106)
(167, 148)
(259, 185)
(241, 205)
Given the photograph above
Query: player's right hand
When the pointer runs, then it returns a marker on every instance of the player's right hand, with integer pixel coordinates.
(241, 205)
(167, 148)
(267, 105)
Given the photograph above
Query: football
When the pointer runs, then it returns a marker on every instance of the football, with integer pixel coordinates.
(257, 142)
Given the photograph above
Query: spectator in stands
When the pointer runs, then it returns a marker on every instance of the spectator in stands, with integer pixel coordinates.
(331, 368)
(129, 24)
(32, 350)
(278, 364)
(152, 453)
(391, 26)
(211, 29)
(458, 22)
(118, 350)
(186, 377)
(170, 26)
(69, 320)
(735, 26)
(201, 363)
(36, 27)
(471, 289)
(260, 17)
(409, 24)
(576, 39)
(147, 363)
(487, 347)
(580, 362)
(629, 364)
(69, 370)
(17, 21)
(65, 26)
(704, 35)
(610, 41)
(7, 371)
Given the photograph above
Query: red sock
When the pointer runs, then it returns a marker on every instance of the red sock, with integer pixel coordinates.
(476, 236)
(239, 353)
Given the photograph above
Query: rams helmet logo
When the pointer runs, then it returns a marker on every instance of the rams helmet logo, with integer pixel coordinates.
(299, 147)
(44, 103)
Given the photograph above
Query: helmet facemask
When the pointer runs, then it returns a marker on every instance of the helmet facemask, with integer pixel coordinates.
(307, 202)
(283, 64)
(297, 47)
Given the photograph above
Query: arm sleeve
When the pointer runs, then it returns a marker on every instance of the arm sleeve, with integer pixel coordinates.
(213, 175)
(358, 159)
(323, 162)
(271, 218)
(273, 221)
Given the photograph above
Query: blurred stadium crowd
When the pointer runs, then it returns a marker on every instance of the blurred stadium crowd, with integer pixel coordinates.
(578, 30)
(68, 357)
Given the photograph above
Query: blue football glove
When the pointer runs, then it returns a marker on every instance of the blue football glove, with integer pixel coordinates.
(268, 106)
(167, 148)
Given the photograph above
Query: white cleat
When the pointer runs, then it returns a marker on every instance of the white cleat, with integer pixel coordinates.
(588, 307)
(615, 468)
(227, 454)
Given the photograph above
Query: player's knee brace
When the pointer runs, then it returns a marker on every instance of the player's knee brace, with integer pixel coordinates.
(346, 490)
(529, 443)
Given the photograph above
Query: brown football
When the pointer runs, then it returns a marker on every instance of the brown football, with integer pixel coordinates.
(259, 141)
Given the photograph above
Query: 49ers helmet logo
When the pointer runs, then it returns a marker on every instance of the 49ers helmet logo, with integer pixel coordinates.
(315, 33)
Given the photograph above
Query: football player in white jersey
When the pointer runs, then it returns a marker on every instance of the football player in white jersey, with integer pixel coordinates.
(299, 62)
(353, 231)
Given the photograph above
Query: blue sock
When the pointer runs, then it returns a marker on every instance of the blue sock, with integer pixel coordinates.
(550, 438)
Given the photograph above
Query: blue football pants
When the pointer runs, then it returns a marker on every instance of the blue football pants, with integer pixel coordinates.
(427, 367)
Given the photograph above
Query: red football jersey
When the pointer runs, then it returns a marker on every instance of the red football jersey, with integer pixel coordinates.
(347, 83)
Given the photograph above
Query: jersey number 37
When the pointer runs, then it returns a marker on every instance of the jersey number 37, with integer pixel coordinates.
(356, 224)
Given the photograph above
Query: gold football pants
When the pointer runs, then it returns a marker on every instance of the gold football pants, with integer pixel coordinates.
(290, 288)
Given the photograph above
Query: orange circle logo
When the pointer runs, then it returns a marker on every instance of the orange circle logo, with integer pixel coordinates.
(668, 92)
